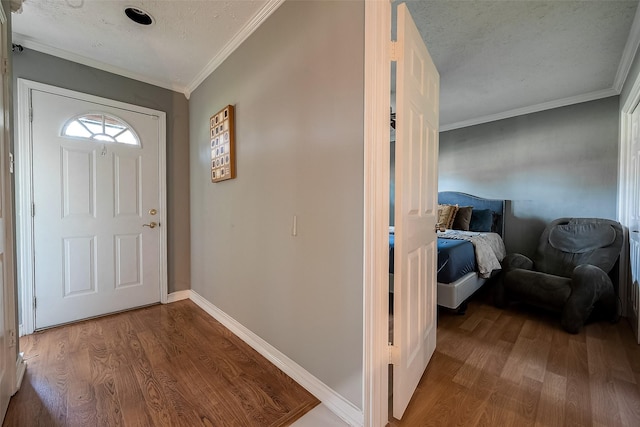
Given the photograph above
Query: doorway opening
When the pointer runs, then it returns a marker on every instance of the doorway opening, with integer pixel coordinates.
(91, 203)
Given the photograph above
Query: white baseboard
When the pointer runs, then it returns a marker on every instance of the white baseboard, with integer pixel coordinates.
(329, 397)
(21, 367)
(178, 295)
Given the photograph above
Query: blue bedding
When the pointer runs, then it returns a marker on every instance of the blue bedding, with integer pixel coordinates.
(455, 258)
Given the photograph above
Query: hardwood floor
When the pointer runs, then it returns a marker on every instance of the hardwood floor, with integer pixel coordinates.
(517, 367)
(165, 365)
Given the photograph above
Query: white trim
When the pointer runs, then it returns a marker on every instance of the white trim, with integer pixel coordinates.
(162, 189)
(244, 33)
(334, 401)
(585, 97)
(21, 368)
(178, 296)
(623, 189)
(24, 189)
(33, 44)
(629, 52)
(24, 196)
(377, 90)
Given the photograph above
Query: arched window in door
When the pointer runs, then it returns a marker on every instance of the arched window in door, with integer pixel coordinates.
(101, 127)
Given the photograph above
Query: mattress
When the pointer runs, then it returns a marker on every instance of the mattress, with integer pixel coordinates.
(456, 258)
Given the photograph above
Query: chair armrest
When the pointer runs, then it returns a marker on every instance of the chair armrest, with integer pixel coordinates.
(589, 285)
(513, 261)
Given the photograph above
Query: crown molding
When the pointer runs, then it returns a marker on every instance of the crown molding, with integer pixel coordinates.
(586, 97)
(60, 53)
(232, 45)
(629, 53)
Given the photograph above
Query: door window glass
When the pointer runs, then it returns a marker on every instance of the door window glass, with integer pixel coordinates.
(100, 127)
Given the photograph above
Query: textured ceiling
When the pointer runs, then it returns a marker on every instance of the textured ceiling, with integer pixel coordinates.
(186, 35)
(501, 56)
(496, 58)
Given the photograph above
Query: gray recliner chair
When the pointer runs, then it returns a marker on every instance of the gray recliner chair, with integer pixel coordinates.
(569, 273)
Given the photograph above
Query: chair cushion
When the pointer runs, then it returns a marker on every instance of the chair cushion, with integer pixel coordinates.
(581, 237)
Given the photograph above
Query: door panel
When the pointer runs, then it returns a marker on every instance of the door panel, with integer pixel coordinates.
(634, 223)
(79, 266)
(128, 260)
(416, 211)
(78, 182)
(92, 253)
(126, 179)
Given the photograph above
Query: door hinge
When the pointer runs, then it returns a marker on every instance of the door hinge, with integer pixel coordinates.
(393, 353)
(393, 51)
(5, 66)
(33, 209)
(12, 338)
(35, 303)
(11, 163)
(30, 115)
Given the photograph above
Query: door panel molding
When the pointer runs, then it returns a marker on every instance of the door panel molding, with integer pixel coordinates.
(24, 189)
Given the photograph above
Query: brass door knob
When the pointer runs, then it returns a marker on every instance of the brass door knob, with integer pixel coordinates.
(150, 225)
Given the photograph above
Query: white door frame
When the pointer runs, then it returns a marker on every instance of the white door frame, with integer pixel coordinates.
(15, 372)
(24, 190)
(624, 196)
(377, 100)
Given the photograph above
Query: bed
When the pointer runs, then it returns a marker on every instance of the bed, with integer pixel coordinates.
(455, 287)
(461, 269)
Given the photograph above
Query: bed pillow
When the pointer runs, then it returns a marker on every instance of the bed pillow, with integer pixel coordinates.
(481, 220)
(463, 218)
(446, 215)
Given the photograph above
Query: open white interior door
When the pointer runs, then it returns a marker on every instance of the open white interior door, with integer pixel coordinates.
(8, 355)
(417, 102)
(633, 216)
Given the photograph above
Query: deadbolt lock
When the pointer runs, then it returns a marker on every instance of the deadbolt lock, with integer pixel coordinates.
(152, 211)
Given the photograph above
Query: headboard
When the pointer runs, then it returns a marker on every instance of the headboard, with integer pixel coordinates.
(463, 199)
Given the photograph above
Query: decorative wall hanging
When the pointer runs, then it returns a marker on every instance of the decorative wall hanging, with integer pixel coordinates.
(223, 150)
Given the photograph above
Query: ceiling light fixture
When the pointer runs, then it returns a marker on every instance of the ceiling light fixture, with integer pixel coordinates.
(138, 16)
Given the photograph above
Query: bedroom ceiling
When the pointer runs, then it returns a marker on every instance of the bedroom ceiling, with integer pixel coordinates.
(499, 59)
(496, 58)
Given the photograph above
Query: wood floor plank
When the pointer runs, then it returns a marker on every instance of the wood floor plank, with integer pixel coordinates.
(550, 411)
(518, 367)
(165, 365)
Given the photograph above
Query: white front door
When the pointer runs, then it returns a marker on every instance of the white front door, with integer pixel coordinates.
(417, 102)
(96, 197)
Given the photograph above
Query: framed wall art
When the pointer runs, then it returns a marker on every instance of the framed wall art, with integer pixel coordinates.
(223, 150)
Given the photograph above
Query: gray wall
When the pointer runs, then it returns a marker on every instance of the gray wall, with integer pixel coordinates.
(39, 67)
(297, 87)
(551, 164)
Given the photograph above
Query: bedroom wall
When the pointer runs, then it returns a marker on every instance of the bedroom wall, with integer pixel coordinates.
(39, 67)
(555, 163)
(297, 87)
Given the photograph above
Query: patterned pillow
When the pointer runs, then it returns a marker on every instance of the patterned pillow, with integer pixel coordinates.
(463, 218)
(446, 215)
